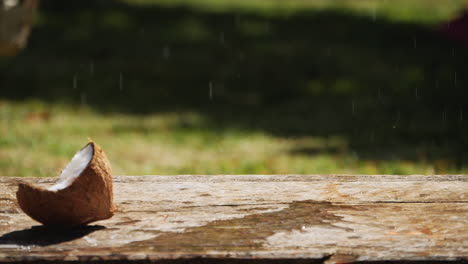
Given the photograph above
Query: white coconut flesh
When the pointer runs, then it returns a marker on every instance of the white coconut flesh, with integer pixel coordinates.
(74, 169)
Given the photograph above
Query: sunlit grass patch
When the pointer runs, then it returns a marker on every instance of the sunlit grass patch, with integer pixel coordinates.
(419, 11)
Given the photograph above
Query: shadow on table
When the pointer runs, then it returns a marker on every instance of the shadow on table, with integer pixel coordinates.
(46, 236)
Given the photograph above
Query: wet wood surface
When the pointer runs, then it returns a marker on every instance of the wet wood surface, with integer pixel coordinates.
(255, 218)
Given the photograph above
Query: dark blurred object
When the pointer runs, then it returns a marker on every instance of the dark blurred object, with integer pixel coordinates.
(457, 29)
(16, 19)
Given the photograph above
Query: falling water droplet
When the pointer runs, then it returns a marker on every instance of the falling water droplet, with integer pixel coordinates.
(444, 114)
(455, 78)
(221, 37)
(83, 98)
(166, 52)
(210, 90)
(414, 42)
(75, 81)
(120, 81)
(353, 107)
(453, 52)
(241, 56)
(91, 68)
(416, 93)
(238, 19)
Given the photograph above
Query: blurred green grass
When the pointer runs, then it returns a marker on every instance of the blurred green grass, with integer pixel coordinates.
(39, 139)
(238, 87)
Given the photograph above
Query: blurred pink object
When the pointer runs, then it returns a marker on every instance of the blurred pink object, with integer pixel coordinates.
(457, 28)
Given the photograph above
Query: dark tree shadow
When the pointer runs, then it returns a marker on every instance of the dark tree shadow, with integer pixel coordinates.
(392, 90)
(45, 236)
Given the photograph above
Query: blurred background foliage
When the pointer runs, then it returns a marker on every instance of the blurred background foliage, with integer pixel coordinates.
(239, 87)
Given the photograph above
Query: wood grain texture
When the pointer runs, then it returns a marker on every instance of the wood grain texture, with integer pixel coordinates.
(313, 218)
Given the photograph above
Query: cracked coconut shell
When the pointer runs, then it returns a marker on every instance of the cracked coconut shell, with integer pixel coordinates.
(85, 198)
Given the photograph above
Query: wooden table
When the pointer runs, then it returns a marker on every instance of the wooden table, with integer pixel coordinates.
(255, 219)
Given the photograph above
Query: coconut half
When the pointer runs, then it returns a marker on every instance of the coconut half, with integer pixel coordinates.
(83, 193)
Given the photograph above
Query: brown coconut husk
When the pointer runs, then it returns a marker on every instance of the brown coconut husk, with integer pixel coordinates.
(88, 199)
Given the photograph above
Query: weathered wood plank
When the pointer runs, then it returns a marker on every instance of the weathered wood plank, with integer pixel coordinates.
(315, 217)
